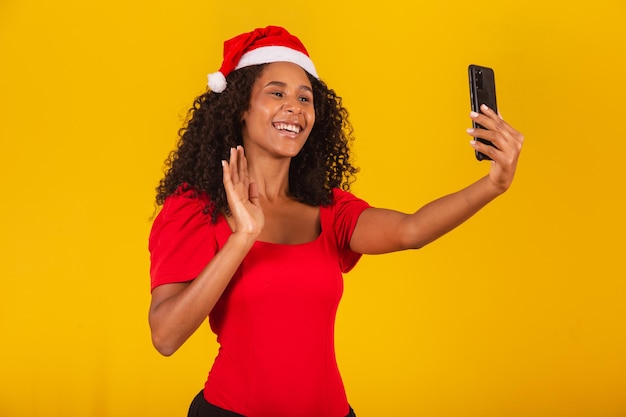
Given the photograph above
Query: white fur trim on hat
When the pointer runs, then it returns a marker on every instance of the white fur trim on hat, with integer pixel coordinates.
(267, 54)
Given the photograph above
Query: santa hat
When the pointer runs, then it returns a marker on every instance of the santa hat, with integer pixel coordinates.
(261, 46)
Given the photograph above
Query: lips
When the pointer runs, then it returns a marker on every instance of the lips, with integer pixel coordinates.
(288, 127)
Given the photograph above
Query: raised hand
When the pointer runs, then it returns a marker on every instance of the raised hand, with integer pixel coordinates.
(507, 141)
(242, 195)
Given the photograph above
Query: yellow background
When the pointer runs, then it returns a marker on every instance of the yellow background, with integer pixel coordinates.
(519, 312)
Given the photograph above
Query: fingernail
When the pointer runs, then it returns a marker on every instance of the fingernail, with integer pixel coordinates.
(484, 107)
(223, 163)
(470, 130)
(472, 142)
(473, 114)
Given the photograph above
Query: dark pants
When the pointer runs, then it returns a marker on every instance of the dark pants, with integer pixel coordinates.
(202, 408)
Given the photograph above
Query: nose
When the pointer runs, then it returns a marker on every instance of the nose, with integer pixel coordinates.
(293, 106)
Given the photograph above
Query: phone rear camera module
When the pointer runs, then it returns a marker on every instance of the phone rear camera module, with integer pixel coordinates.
(479, 80)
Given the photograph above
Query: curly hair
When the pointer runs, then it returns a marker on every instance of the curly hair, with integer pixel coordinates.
(214, 125)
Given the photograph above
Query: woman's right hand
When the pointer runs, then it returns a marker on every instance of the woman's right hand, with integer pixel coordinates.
(178, 309)
(242, 195)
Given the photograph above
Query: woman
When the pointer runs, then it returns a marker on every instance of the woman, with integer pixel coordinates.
(261, 248)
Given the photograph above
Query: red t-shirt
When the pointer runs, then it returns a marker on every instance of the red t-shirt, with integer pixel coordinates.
(275, 320)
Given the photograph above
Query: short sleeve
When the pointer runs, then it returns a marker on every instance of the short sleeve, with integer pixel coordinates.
(347, 209)
(182, 239)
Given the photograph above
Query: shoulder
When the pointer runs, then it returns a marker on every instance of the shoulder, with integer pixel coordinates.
(341, 198)
(344, 212)
(182, 238)
(183, 208)
(346, 207)
(186, 200)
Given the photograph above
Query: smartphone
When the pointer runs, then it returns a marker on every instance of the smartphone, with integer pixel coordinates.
(482, 91)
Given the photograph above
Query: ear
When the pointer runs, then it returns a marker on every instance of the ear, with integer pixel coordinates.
(244, 114)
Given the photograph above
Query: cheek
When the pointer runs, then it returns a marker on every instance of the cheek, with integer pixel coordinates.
(251, 116)
(311, 122)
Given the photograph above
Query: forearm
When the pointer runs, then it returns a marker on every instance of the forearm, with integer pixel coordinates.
(446, 213)
(174, 319)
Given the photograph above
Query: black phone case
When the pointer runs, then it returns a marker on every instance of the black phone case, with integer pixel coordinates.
(482, 91)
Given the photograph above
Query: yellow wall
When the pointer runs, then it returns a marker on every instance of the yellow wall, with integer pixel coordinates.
(520, 312)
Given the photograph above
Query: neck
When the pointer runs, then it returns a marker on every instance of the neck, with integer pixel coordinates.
(271, 177)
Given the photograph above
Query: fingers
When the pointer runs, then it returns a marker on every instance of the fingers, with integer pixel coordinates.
(242, 166)
(234, 165)
(507, 146)
(236, 179)
(492, 121)
(236, 168)
(484, 149)
(226, 179)
(242, 195)
(505, 138)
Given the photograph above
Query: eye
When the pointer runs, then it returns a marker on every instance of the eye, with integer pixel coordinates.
(277, 93)
(305, 97)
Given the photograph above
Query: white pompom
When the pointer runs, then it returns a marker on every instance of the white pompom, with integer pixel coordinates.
(217, 82)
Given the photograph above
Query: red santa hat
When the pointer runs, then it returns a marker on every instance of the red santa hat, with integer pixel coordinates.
(261, 46)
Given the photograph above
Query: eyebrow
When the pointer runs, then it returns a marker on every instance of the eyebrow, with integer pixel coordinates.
(282, 84)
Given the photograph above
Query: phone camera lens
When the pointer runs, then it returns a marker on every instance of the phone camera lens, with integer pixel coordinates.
(479, 81)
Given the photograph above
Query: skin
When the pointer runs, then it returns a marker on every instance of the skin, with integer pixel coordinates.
(257, 188)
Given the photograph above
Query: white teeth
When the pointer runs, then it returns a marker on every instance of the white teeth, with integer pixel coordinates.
(290, 128)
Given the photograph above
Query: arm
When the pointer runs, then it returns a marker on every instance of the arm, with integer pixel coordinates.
(382, 231)
(177, 310)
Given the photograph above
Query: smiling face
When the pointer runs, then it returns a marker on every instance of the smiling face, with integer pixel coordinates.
(281, 113)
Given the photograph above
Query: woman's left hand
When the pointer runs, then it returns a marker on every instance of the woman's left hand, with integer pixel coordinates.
(507, 141)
